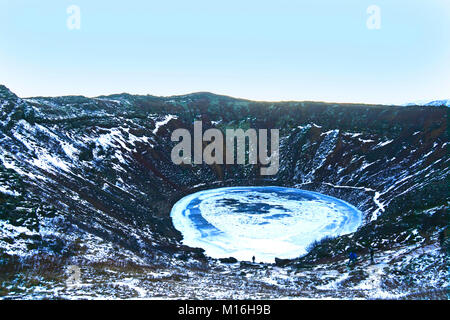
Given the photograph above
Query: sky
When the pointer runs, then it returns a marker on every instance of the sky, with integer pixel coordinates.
(316, 50)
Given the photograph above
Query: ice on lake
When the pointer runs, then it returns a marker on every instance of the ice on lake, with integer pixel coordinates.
(265, 222)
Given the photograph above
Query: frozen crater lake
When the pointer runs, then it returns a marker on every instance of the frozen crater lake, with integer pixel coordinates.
(265, 222)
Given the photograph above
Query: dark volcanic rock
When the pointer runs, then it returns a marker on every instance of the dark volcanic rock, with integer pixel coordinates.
(228, 260)
(98, 171)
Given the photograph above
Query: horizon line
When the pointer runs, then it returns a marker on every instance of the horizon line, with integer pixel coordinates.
(411, 103)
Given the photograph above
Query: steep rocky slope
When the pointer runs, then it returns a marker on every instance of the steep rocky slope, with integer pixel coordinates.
(89, 181)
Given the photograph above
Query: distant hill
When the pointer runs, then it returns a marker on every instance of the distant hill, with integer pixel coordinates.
(433, 103)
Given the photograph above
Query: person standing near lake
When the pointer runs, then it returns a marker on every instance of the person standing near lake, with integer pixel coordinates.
(372, 253)
(352, 258)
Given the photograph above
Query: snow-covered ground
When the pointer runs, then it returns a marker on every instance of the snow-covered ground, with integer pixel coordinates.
(405, 272)
(265, 222)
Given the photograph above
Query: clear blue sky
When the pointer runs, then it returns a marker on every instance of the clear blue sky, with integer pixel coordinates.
(263, 50)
